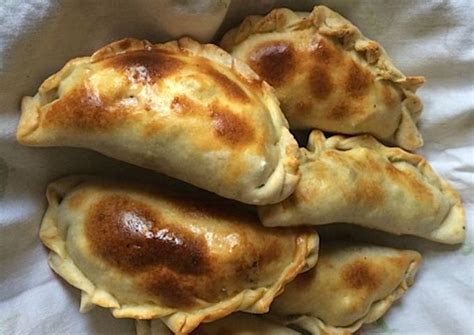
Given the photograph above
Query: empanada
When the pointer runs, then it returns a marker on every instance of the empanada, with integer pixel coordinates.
(181, 108)
(352, 284)
(358, 180)
(146, 252)
(328, 76)
(234, 324)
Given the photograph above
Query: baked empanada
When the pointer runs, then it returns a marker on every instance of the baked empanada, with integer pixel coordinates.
(234, 324)
(146, 252)
(181, 108)
(352, 284)
(358, 180)
(328, 76)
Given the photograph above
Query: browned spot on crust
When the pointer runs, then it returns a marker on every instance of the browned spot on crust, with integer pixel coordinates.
(131, 236)
(343, 111)
(361, 274)
(369, 193)
(172, 289)
(183, 105)
(320, 83)
(125, 44)
(229, 127)
(176, 266)
(325, 53)
(230, 87)
(85, 110)
(145, 66)
(152, 128)
(274, 62)
(358, 80)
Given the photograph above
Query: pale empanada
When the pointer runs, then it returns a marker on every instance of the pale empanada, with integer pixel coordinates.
(148, 253)
(358, 180)
(328, 76)
(234, 324)
(352, 284)
(181, 108)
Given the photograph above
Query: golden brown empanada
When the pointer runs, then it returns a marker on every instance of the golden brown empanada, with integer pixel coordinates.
(352, 284)
(328, 76)
(146, 252)
(164, 106)
(358, 180)
(234, 324)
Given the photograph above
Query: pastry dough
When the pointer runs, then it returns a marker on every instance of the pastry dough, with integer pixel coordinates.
(352, 284)
(234, 324)
(163, 106)
(146, 252)
(358, 180)
(328, 76)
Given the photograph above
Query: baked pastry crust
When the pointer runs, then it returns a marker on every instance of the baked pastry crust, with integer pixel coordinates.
(329, 76)
(139, 102)
(147, 252)
(359, 180)
(351, 285)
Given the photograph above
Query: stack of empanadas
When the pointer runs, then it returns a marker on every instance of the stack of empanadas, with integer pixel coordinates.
(196, 262)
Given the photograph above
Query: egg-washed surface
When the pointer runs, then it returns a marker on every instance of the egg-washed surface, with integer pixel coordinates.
(140, 102)
(352, 284)
(327, 75)
(234, 324)
(148, 253)
(358, 180)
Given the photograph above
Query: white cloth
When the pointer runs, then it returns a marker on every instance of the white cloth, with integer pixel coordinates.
(430, 38)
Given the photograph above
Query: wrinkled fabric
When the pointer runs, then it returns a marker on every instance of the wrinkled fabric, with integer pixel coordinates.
(430, 38)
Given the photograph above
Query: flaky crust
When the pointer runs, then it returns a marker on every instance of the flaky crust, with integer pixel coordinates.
(333, 29)
(129, 101)
(60, 236)
(365, 279)
(390, 190)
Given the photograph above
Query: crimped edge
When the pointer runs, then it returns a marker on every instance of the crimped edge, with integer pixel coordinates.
(332, 25)
(252, 301)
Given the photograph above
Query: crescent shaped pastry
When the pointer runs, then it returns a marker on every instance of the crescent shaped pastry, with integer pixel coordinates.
(328, 76)
(234, 324)
(358, 180)
(352, 284)
(162, 106)
(145, 252)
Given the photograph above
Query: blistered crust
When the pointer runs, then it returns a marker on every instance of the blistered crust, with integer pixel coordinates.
(137, 102)
(389, 189)
(158, 267)
(329, 76)
(358, 284)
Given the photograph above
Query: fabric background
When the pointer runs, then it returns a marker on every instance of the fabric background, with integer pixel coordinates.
(430, 38)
